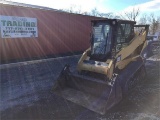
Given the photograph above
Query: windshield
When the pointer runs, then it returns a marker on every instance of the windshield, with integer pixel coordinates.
(101, 38)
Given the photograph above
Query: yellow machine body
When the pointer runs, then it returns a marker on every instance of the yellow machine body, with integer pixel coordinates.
(109, 69)
(128, 53)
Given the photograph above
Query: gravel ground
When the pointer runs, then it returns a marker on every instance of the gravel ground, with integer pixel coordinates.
(26, 94)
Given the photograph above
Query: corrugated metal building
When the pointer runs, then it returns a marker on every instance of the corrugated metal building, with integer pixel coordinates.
(58, 32)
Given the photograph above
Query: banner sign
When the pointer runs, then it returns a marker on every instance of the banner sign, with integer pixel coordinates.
(18, 27)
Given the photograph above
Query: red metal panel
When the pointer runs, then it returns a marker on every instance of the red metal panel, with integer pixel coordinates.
(58, 32)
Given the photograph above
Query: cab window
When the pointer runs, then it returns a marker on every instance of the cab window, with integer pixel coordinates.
(124, 36)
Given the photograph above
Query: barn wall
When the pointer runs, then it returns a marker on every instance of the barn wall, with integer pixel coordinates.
(58, 32)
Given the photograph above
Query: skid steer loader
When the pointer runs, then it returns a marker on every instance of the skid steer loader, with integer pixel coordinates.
(109, 69)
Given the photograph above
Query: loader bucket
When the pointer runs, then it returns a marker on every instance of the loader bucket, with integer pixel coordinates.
(94, 94)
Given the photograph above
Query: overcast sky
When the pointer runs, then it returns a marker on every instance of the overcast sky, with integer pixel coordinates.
(103, 6)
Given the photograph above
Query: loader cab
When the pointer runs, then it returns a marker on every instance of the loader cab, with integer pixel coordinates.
(108, 36)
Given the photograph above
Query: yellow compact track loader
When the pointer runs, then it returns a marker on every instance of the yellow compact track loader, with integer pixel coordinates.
(109, 69)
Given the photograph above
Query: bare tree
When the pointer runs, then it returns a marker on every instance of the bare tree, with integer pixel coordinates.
(154, 23)
(72, 8)
(144, 19)
(85, 13)
(106, 15)
(117, 17)
(133, 14)
(79, 11)
(120, 16)
(95, 12)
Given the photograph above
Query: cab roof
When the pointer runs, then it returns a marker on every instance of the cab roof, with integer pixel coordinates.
(116, 20)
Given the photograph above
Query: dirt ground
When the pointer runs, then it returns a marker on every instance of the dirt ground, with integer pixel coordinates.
(26, 94)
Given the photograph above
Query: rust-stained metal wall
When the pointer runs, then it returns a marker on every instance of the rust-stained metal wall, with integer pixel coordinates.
(58, 33)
